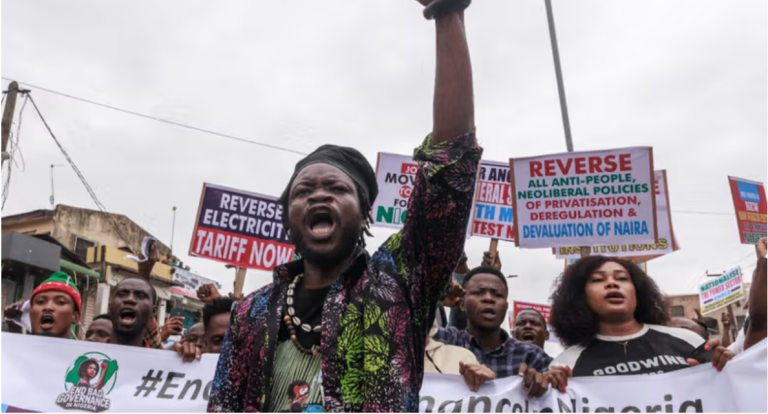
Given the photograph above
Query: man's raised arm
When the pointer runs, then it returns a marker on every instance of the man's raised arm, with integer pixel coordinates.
(454, 108)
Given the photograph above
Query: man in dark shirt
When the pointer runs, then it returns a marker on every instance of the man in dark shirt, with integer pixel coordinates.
(485, 303)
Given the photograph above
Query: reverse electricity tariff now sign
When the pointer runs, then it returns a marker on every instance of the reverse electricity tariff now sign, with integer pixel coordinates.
(82, 377)
(396, 176)
(584, 198)
(751, 208)
(492, 211)
(639, 252)
(240, 228)
(717, 293)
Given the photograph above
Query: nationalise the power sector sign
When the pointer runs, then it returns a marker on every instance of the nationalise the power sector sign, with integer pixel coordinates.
(240, 228)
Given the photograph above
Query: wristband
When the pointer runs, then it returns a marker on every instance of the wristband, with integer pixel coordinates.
(441, 7)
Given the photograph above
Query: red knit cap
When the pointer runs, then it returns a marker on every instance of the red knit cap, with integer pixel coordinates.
(61, 282)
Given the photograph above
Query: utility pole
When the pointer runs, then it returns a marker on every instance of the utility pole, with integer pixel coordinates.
(585, 250)
(173, 226)
(10, 108)
(53, 204)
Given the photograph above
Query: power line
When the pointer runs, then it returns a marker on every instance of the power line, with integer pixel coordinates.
(167, 121)
(80, 176)
(14, 142)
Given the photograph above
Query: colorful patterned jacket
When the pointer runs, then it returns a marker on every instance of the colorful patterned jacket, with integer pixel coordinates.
(377, 313)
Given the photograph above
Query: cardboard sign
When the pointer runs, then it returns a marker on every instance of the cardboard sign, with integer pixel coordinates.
(240, 228)
(396, 176)
(492, 204)
(751, 209)
(584, 198)
(639, 252)
(719, 292)
(191, 282)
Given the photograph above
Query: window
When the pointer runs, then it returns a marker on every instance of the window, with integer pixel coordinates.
(678, 311)
(82, 245)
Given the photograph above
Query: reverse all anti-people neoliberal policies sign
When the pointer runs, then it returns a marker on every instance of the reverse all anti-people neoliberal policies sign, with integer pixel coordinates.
(584, 198)
(240, 228)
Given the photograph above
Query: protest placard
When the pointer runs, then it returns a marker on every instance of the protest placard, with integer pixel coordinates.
(639, 252)
(751, 209)
(240, 228)
(584, 198)
(396, 176)
(139, 380)
(190, 282)
(492, 204)
(719, 292)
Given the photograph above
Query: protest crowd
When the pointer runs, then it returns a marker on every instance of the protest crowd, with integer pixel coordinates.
(348, 327)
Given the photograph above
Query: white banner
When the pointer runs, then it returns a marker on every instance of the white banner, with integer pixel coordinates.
(50, 375)
(584, 198)
(639, 252)
(57, 375)
(492, 203)
(395, 175)
(740, 387)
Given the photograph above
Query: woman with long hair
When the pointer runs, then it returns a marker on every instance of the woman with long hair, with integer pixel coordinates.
(609, 315)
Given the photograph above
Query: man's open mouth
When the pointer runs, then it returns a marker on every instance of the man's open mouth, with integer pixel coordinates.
(128, 316)
(488, 313)
(528, 336)
(320, 223)
(46, 321)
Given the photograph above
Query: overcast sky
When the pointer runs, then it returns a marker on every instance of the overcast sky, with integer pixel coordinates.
(686, 77)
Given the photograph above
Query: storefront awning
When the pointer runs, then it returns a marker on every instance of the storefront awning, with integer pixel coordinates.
(79, 269)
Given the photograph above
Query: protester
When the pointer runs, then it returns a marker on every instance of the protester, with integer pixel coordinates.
(131, 308)
(216, 316)
(485, 303)
(100, 329)
(54, 308)
(370, 314)
(699, 328)
(458, 318)
(191, 347)
(610, 316)
(756, 331)
(454, 360)
(531, 327)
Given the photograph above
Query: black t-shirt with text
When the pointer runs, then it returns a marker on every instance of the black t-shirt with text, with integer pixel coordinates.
(653, 350)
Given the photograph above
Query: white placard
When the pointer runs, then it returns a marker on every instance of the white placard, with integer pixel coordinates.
(396, 176)
(584, 198)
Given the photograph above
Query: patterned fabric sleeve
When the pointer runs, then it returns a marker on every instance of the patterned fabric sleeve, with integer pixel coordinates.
(230, 380)
(152, 335)
(428, 248)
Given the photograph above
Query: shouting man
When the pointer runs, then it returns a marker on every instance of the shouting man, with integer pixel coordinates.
(531, 327)
(132, 306)
(352, 328)
(54, 308)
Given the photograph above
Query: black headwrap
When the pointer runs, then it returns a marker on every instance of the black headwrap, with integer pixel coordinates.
(349, 160)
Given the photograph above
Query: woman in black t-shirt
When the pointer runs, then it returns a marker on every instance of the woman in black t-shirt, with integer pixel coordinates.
(610, 316)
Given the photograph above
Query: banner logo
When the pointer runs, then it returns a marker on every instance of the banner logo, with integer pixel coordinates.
(89, 379)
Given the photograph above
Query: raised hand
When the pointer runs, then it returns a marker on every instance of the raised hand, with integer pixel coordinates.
(173, 326)
(208, 292)
(145, 268)
(494, 262)
(455, 294)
